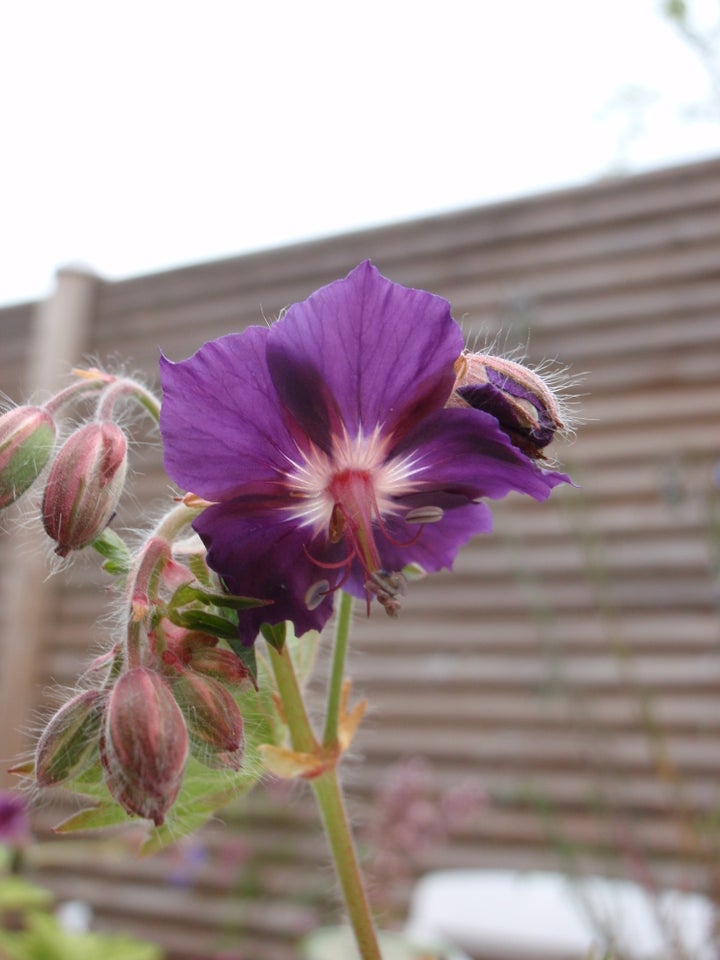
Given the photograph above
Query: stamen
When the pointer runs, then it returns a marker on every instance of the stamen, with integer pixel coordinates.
(388, 588)
(337, 524)
(331, 566)
(386, 533)
(393, 584)
(345, 565)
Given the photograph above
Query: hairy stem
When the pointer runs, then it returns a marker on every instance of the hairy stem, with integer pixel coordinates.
(329, 796)
(125, 387)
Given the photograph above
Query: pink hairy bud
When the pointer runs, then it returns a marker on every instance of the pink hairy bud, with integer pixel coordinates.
(84, 486)
(213, 718)
(522, 401)
(223, 665)
(27, 437)
(183, 644)
(68, 744)
(190, 648)
(145, 745)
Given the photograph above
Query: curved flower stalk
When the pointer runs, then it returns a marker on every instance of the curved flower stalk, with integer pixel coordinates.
(327, 452)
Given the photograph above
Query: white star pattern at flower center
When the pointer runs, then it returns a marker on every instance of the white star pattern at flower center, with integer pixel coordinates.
(320, 481)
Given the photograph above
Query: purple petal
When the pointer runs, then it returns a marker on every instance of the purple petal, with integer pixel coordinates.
(434, 549)
(221, 422)
(260, 553)
(364, 352)
(489, 397)
(466, 453)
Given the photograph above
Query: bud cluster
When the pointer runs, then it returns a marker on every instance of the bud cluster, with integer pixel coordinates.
(166, 690)
(166, 693)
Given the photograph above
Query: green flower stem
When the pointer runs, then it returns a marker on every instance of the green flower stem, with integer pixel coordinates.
(298, 723)
(142, 582)
(140, 591)
(125, 387)
(175, 521)
(328, 794)
(75, 390)
(337, 671)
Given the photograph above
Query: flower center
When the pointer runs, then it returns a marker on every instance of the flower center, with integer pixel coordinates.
(345, 496)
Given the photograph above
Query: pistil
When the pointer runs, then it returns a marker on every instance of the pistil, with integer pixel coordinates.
(354, 498)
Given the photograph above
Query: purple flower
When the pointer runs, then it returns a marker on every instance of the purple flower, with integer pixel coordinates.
(14, 824)
(327, 450)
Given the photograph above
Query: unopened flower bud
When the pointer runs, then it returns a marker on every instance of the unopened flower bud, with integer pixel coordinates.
(520, 399)
(191, 648)
(145, 744)
(84, 486)
(27, 437)
(213, 718)
(183, 644)
(217, 662)
(68, 743)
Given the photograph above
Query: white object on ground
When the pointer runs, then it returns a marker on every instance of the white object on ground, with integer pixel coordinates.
(542, 915)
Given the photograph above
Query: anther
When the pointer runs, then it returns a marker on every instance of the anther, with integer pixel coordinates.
(428, 514)
(388, 588)
(316, 593)
(337, 524)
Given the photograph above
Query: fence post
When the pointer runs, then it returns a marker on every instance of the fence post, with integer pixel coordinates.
(59, 336)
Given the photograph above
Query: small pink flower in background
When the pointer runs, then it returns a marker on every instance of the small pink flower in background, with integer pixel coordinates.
(188, 858)
(411, 816)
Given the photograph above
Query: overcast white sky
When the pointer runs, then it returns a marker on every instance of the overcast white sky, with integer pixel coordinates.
(150, 133)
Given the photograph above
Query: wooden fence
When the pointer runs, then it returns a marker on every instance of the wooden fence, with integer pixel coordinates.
(571, 662)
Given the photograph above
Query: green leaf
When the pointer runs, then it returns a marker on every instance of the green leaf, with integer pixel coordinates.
(189, 594)
(197, 564)
(275, 634)
(246, 654)
(204, 792)
(18, 894)
(183, 595)
(303, 651)
(105, 814)
(114, 549)
(43, 938)
(231, 601)
(205, 623)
